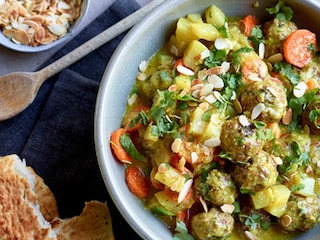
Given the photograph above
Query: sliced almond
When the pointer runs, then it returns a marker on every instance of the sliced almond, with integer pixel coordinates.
(204, 54)
(216, 81)
(223, 43)
(300, 89)
(21, 37)
(143, 66)
(212, 142)
(244, 121)
(257, 110)
(262, 50)
(194, 157)
(278, 57)
(227, 208)
(210, 98)
(250, 235)
(206, 89)
(287, 117)
(57, 29)
(185, 190)
(176, 145)
(204, 204)
(184, 70)
(286, 220)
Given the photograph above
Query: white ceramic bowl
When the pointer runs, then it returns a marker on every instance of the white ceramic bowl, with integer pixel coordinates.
(140, 44)
(72, 31)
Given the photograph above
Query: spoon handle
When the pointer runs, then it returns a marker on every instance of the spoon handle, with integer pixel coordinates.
(96, 42)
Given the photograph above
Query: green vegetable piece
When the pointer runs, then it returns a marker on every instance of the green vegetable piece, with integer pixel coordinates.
(129, 147)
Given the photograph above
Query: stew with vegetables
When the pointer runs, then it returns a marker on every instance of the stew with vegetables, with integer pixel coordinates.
(220, 138)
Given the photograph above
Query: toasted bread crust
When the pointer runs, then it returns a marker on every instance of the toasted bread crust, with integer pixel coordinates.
(93, 223)
(18, 203)
(46, 199)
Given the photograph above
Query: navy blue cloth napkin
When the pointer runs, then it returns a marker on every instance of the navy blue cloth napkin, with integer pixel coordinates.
(55, 134)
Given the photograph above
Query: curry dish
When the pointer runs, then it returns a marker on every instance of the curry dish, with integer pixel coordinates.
(220, 138)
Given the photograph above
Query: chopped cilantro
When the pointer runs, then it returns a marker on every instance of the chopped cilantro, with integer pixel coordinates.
(256, 37)
(165, 76)
(129, 147)
(255, 221)
(182, 232)
(259, 124)
(281, 11)
(237, 208)
(265, 135)
(206, 116)
(186, 97)
(298, 105)
(158, 113)
(216, 58)
(296, 157)
(298, 187)
(236, 54)
(142, 117)
(224, 30)
(314, 117)
(287, 70)
(246, 191)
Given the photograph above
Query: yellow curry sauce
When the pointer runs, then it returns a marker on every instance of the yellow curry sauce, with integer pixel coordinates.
(221, 132)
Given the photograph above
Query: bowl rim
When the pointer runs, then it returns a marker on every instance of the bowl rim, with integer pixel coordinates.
(71, 33)
(101, 122)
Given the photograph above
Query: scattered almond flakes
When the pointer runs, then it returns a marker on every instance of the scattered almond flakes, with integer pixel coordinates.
(37, 22)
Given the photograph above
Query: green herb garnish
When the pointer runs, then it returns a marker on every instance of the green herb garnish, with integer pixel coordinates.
(129, 147)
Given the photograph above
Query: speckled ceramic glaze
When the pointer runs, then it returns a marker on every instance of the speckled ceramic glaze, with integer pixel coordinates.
(140, 44)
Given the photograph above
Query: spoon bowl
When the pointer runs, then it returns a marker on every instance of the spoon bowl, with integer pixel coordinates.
(18, 90)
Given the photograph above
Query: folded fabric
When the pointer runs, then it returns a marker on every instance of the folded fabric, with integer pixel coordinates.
(55, 133)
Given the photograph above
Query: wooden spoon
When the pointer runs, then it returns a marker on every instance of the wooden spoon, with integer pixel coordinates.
(18, 89)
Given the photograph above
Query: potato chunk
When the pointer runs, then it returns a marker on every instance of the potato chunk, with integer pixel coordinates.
(215, 16)
(192, 55)
(272, 199)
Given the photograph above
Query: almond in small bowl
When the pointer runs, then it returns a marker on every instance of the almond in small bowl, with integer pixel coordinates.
(39, 25)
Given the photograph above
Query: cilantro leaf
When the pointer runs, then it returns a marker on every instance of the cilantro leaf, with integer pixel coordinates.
(216, 58)
(314, 117)
(182, 232)
(287, 70)
(281, 11)
(142, 117)
(255, 221)
(256, 37)
(296, 157)
(129, 147)
(298, 105)
(236, 55)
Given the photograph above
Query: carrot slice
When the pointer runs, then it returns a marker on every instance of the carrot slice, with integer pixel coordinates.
(247, 24)
(118, 150)
(137, 182)
(299, 46)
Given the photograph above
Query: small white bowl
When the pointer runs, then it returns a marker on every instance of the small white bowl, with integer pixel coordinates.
(140, 44)
(72, 30)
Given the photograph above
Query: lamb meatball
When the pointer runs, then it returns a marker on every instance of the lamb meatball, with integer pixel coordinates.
(240, 140)
(259, 173)
(218, 188)
(275, 32)
(311, 117)
(269, 93)
(302, 213)
(212, 225)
